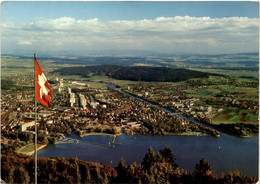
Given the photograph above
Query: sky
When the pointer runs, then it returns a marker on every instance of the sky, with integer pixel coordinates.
(124, 27)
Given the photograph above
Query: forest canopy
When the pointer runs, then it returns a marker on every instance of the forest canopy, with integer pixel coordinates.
(160, 167)
(139, 73)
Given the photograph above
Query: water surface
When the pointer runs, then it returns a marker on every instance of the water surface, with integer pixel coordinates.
(224, 153)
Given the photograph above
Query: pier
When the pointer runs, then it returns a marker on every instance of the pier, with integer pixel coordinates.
(115, 140)
(71, 140)
(96, 144)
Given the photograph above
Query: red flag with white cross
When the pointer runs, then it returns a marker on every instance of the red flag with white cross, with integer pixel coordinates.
(43, 89)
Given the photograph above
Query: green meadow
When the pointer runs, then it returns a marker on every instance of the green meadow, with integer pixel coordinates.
(28, 149)
(236, 115)
(219, 91)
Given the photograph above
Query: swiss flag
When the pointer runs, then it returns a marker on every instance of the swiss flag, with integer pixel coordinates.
(43, 89)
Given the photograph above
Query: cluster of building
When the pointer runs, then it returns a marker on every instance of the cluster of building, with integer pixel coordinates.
(173, 100)
(236, 102)
(174, 96)
(135, 112)
(77, 107)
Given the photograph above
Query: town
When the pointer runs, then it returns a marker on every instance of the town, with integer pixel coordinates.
(203, 100)
(77, 107)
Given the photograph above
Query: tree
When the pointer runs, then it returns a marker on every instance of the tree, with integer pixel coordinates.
(66, 177)
(160, 172)
(85, 173)
(88, 176)
(203, 172)
(97, 174)
(134, 173)
(8, 174)
(29, 137)
(45, 140)
(7, 84)
(149, 158)
(78, 175)
(168, 156)
(105, 180)
(52, 140)
(148, 178)
(237, 177)
(121, 171)
(21, 175)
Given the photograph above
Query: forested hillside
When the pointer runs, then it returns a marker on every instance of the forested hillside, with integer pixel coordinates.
(141, 73)
(155, 168)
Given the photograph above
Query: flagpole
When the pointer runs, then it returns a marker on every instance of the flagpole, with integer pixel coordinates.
(35, 105)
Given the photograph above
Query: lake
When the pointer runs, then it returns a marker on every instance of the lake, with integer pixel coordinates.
(224, 153)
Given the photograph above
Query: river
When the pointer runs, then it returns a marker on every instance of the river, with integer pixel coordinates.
(223, 153)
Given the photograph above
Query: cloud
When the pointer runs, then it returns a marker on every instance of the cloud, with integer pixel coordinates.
(163, 34)
(24, 42)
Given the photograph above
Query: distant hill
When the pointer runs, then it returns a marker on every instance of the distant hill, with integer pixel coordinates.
(141, 73)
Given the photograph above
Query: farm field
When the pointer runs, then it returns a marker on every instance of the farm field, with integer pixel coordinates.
(201, 94)
(103, 78)
(243, 93)
(14, 65)
(221, 93)
(247, 116)
(234, 73)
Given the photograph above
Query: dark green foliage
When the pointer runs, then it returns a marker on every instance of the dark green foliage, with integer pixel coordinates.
(20, 169)
(158, 74)
(203, 172)
(42, 138)
(121, 171)
(237, 177)
(238, 129)
(85, 71)
(52, 81)
(160, 167)
(7, 172)
(155, 168)
(85, 171)
(7, 84)
(134, 173)
(149, 158)
(21, 175)
(168, 156)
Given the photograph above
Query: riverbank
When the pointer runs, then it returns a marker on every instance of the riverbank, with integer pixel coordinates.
(133, 94)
